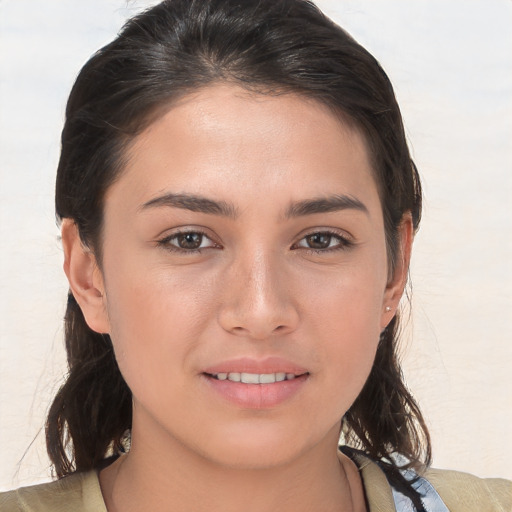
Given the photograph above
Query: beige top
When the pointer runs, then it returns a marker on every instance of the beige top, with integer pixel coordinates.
(460, 492)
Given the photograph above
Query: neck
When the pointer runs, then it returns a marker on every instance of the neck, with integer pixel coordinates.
(153, 477)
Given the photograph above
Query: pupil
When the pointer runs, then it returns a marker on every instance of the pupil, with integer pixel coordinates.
(319, 241)
(190, 240)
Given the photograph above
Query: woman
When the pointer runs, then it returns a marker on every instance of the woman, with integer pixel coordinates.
(238, 205)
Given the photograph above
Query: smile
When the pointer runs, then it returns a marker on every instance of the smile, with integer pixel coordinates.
(255, 378)
(256, 390)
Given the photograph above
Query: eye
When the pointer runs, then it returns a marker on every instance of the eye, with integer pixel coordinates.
(187, 241)
(323, 241)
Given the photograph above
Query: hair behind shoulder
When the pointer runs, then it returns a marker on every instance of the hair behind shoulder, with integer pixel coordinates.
(271, 46)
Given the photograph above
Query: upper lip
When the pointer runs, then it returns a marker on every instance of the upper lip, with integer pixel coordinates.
(259, 366)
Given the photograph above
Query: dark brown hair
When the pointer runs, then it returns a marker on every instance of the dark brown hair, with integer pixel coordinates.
(269, 46)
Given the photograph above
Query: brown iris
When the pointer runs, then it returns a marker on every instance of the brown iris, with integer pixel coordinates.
(319, 240)
(189, 240)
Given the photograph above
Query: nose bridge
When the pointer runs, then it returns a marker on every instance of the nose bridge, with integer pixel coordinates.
(258, 302)
(264, 286)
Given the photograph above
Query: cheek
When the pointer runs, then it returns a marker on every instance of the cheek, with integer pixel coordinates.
(345, 320)
(156, 319)
(347, 302)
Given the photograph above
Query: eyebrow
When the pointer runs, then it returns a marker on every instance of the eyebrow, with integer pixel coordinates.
(201, 204)
(325, 205)
(193, 203)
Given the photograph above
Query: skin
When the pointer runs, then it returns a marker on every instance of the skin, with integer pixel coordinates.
(254, 289)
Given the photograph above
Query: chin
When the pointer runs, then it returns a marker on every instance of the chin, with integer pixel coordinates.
(262, 447)
(254, 457)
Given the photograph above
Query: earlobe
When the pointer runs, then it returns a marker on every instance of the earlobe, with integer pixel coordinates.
(396, 284)
(85, 278)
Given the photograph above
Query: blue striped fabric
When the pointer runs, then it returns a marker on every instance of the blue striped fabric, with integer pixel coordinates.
(431, 500)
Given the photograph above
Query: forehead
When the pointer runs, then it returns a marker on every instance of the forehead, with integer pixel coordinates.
(223, 137)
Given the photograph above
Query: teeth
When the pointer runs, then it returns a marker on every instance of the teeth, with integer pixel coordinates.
(255, 378)
(250, 378)
(267, 378)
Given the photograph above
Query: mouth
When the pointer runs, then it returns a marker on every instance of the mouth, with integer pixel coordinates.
(255, 378)
(258, 388)
(251, 383)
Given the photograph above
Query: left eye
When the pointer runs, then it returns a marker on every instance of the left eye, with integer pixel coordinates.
(188, 241)
(323, 240)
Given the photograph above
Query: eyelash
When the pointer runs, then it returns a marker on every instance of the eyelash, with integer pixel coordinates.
(166, 242)
(343, 242)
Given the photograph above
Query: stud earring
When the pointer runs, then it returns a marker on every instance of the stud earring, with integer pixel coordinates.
(388, 309)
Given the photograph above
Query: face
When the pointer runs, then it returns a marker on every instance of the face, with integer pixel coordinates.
(244, 277)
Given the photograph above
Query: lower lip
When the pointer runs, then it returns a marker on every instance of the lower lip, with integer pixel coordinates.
(257, 396)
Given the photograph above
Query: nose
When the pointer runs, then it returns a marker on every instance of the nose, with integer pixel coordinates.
(258, 299)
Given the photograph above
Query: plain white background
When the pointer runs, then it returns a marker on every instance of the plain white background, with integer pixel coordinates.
(451, 65)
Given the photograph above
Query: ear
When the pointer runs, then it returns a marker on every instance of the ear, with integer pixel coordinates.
(397, 281)
(85, 278)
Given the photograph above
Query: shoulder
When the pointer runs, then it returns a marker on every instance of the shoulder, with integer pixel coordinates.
(79, 492)
(468, 493)
(439, 490)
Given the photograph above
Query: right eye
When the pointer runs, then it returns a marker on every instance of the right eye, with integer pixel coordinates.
(187, 241)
